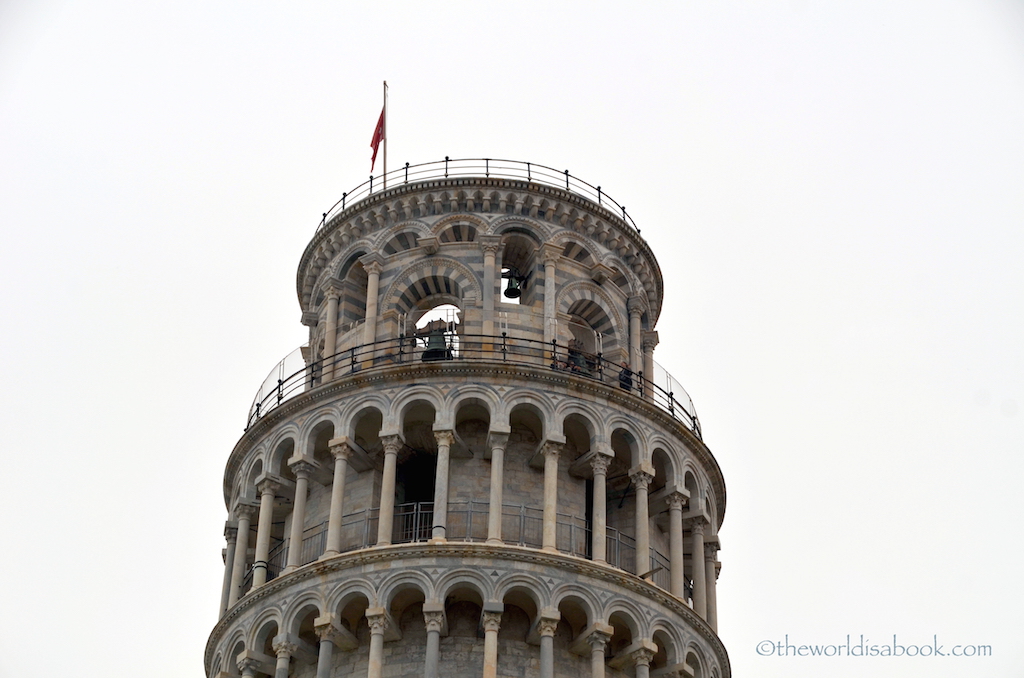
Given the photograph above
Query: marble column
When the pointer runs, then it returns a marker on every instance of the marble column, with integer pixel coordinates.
(550, 254)
(635, 306)
(378, 625)
(675, 544)
(549, 540)
(642, 481)
(697, 563)
(434, 621)
(649, 341)
(284, 651)
(231, 539)
(325, 633)
(444, 443)
(386, 516)
(302, 472)
(490, 245)
(331, 333)
(243, 514)
(642, 661)
(491, 624)
(599, 533)
(711, 575)
(267, 489)
(497, 442)
(341, 454)
(372, 264)
(597, 642)
(546, 628)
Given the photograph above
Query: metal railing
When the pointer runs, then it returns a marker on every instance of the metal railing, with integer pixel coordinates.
(521, 525)
(497, 168)
(473, 347)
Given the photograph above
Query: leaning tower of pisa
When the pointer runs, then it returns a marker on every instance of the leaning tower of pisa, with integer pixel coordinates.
(474, 467)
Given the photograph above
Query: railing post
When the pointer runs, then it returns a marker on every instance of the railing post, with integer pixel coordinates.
(598, 195)
(280, 393)
(554, 354)
(528, 172)
(487, 167)
(446, 167)
(371, 183)
(671, 404)
(343, 196)
(406, 172)
(504, 346)
(567, 180)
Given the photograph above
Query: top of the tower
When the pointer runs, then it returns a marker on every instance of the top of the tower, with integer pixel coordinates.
(389, 213)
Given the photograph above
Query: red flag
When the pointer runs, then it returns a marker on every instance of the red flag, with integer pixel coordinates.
(378, 136)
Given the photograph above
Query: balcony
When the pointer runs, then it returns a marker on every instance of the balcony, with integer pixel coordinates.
(294, 376)
(467, 522)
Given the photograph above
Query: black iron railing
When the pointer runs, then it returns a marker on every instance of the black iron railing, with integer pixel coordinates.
(471, 347)
(496, 168)
(521, 525)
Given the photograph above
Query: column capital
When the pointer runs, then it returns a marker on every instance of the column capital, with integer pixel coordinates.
(268, 486)
(302, 469)
(434, 620)
(642, 656)
(332, 293)
(551, 449)
(599, 463)
(636, 306)
(491, 621)
(546, 627)
(392, 444)
(710, 551)
(340, 450)
(379, 623)
(244, 511)
(676, 501)
(649, 340)
(285, 648)
(598, 639)
(550, 253)
(641, 479)
(231, 532)
(372, 263)
(445, 438)
(497, 439)
(696, 525)
(249, 664)
(490, 244)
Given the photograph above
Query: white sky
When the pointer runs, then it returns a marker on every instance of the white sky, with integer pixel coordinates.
(834, 191)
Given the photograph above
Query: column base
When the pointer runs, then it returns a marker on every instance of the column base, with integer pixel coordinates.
(494, 542)
(549, 549)
(329, 554)
(437, 540)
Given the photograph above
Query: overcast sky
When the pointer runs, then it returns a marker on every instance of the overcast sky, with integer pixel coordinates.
(834, 192)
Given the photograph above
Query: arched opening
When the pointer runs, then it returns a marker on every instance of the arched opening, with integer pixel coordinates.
(621, 495)
(265, 642)
(518, 263)
(622, 634)
(461, 648)
(523, 501)
(415, 474)
(437, 332)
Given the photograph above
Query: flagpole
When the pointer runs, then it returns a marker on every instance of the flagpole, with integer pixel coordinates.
(385, 134)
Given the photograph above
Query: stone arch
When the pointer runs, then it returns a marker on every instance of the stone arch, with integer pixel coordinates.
(585, 299)
(670, 644)
(540, 231)
(350, 591)
(263, 630)
(300, 608)
(580, 596)
(395, 585)
(284, 446)
(458, 228)
(432, 277)
(532, 586)
(464, 578)
(664, 469)
(577, 248)
(234, 647)
(320, 428)
(697, 660)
